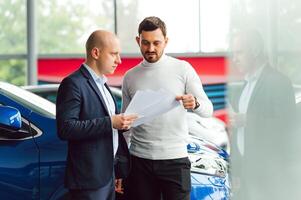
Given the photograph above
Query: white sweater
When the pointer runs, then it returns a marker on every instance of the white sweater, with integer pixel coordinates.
(165, 136)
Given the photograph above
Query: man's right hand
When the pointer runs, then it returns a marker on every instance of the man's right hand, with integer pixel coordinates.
(123, 122)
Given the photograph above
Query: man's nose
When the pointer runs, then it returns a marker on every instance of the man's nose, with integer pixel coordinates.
(118, 59)
(151, 48)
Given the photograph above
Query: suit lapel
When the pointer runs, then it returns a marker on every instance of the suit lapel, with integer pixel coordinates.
(94, 87)
(258, 87)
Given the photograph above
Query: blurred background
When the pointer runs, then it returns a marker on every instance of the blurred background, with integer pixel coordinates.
(196, 28)
(43, 41)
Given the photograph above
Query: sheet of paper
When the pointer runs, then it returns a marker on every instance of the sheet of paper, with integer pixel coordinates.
(149, 104)
(141, 100)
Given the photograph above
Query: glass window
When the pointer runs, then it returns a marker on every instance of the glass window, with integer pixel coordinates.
(13, 26)
(214, 20)
(13, 71)
(181, 18)
(288, 39)
(64, 25)
(289, 26)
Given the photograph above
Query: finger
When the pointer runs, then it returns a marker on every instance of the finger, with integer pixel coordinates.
(189, 105)
(128, 122)
(188, 102)
(188, 98)
(119, 191)
(126, 127)
(131, 117)
(179, 97)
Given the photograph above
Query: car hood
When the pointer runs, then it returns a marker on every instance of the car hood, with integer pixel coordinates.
(207, 158)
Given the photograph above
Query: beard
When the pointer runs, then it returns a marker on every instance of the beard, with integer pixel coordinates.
(151, 57)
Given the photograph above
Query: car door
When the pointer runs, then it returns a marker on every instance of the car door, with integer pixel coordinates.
(19, 163)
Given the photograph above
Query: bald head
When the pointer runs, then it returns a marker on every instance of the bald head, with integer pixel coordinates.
(103, 52)
(99, 39)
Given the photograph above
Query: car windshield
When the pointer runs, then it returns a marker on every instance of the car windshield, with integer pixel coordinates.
(28, 99)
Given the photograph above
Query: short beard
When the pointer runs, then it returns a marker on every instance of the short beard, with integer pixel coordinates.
(152, 60)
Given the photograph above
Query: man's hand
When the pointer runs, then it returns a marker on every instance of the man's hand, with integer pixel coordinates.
(118, 186)
(123, 122)
(188, 101)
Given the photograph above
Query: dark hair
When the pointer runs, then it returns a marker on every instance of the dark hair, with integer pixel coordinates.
(152, 23)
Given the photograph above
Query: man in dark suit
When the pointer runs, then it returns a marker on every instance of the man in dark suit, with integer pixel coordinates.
(87, 118)
(263, 120)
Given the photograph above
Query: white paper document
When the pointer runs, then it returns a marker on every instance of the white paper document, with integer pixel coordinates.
(148, 104)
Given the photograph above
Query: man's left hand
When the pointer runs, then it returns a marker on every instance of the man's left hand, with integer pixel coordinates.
(118, 186)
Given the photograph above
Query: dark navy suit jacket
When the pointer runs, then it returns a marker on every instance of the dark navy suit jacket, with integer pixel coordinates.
(269, 124)
(83, 120)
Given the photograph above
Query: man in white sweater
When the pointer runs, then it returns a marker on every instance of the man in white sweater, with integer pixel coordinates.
(160, 164)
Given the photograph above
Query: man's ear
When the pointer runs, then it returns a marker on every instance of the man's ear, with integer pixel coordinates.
(95, 53)
(138, 40)
(166, 40)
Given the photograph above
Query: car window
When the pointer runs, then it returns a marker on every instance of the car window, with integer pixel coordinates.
(49, 95)
(49, 92)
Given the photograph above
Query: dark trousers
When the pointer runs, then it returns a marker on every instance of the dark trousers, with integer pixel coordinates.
(106, 192)
(156, 179)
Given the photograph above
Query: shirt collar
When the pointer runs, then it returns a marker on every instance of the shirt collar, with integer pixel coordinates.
(100, 79)
(254, 76)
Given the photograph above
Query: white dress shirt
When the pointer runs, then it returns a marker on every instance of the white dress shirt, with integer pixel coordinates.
(243, 104)
(100, 82)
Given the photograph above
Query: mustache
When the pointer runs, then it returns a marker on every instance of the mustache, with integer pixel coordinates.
(150, 52)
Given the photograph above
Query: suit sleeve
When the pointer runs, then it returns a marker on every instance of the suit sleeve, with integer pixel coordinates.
(194, 86)
(69, 124)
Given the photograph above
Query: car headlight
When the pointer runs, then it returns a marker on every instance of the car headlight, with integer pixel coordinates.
(205, 160)
(208, 165)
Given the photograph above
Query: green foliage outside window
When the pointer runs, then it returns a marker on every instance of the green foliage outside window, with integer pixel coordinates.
(13, 71)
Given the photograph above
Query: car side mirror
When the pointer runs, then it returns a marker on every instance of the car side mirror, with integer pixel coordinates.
(10, 118)
(11, 124)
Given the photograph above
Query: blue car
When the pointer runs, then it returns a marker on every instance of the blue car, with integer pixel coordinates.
(33, 158)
